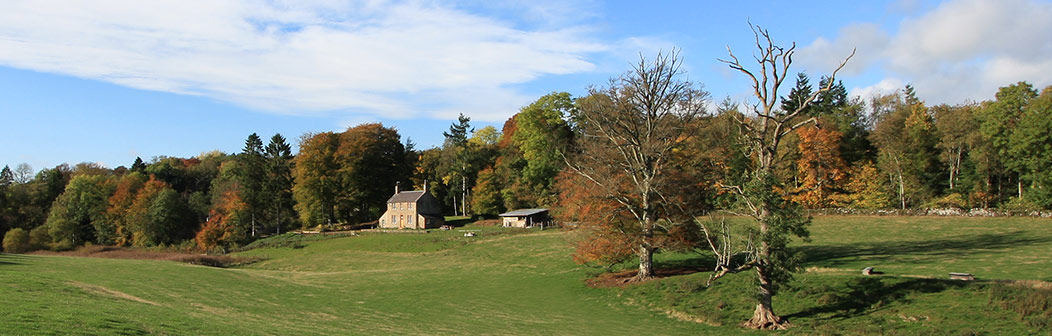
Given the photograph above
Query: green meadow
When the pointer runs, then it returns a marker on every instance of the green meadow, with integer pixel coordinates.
(511, 281)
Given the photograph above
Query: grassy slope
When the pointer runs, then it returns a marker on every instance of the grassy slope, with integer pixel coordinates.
(444, 283)
(438, 283)
(912, 297)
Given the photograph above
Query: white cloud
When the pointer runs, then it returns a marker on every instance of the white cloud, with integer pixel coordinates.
(961, 50)
(372, 57)
(886, 86)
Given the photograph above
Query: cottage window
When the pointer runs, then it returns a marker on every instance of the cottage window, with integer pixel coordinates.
(409, 220)
(394, 219)
(410, 206)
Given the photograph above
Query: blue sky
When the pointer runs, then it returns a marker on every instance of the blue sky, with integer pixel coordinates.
(108, 81)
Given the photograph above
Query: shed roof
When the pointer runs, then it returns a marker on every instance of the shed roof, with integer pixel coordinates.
(522, 212)
(406, 196)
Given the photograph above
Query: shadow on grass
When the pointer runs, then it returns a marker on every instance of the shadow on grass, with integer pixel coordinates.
(460, 222)
(933, 249)
(865, 295)
(10, 259)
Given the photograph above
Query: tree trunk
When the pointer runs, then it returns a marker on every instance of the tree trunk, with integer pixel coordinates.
(1019, 182)
(763, 317)
(902, 191)
(646, 262)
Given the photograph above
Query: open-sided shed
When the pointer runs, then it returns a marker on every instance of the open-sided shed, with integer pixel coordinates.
(524, 218)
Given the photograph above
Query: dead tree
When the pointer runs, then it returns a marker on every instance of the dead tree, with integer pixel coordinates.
(629, 132)
(765, 245)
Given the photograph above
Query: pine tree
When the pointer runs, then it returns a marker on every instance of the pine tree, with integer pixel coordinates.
(251, 175)
(138, 166)
(278, 184)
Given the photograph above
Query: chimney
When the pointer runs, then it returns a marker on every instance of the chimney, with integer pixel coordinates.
(396, 187)
(425, 186)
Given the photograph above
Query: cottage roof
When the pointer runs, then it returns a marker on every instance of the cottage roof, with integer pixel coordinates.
(522, 212)
(406, 196)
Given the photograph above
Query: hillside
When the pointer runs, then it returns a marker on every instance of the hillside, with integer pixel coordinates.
(524, 282)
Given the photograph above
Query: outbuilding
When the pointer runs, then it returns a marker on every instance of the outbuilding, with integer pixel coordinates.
(524, 218)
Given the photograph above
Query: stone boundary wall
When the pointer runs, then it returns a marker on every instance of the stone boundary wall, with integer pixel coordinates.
(978, 212)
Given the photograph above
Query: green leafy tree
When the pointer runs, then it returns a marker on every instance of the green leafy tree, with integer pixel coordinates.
(1032, 145)
(997, 120)
(958, 130)
(78, 215)
(159, 215)
(906, 140)
(543, 135)
(456, 167)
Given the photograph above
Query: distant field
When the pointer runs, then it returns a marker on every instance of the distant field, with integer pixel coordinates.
(523, 282)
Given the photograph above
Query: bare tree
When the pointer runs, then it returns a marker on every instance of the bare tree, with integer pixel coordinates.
(765, 246)
(630, 130)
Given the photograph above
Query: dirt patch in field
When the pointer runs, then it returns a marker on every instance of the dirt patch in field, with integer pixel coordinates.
(627, 277)
(99, 290)
(113, 252)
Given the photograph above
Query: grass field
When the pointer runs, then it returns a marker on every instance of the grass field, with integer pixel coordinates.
(507, 281)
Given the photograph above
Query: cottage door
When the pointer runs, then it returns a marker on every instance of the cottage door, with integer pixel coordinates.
(401, 221)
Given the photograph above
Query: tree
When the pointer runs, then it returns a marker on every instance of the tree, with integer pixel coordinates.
(348, 176)
(158, 215)
(542, 136)
(138, 166)
(78, 215)
(316, 177)
(223, 228)
(776, 219)
(1032, 144)
(124, 195)
(487, 200)
(277, 186)
(251, 176)
(958, 129)
(906, 141)
(23, 173)
(372, 159)
(457, 161)
(630, 132)
(16, 241)
(997, 122)
(865, 188)
(820, 168)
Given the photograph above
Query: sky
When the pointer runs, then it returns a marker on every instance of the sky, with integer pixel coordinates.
(109, 81)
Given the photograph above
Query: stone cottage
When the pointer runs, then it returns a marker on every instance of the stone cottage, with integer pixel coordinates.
(415, 209)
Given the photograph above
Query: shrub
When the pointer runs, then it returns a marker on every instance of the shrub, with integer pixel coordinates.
(39, 238)
(62, 245)
(1020, 204)
(954, 200)
(1034, 305)
(16, 241)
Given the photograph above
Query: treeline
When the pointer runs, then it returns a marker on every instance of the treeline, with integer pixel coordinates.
(892, 151)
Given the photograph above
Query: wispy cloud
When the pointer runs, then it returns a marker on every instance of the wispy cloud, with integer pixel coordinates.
(391, 59)
(960, 50)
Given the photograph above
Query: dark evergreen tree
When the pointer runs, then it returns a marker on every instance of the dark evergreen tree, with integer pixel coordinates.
(251, 175)
(278, 185)
(138, 166)
(798, 95)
